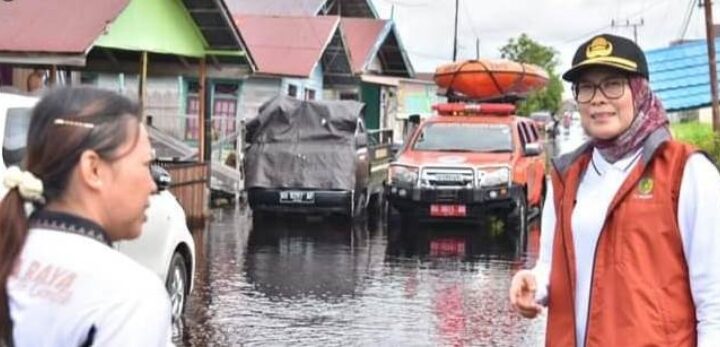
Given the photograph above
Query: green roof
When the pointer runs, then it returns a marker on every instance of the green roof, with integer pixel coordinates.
(157, 26)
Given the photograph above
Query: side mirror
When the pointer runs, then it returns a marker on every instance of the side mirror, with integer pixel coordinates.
(533, 149)
(161, 177)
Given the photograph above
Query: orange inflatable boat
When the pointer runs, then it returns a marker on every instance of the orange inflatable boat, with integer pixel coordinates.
(490, 78)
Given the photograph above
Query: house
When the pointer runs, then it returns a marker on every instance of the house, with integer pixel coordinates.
(372, 46)
(107, 43)
(296, 55)
(161, 52)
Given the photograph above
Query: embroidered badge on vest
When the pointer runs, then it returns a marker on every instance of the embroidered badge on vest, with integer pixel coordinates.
(645, 188)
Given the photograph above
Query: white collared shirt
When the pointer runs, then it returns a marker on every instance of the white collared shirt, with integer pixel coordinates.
(699, 218)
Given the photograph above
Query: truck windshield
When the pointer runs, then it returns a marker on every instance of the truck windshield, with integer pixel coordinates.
(464, 137)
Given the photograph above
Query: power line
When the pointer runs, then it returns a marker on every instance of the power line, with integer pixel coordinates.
(688, 17)
(643, 10)
(628, 24)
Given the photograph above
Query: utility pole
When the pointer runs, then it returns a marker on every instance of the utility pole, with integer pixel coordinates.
(628, 24)
(477, 48)
(710, 34)
(455, 42)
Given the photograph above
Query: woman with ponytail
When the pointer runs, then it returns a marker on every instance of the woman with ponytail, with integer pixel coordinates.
(630, 242)
(86, 183)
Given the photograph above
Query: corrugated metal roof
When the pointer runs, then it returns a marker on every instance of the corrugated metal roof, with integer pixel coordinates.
(287, 46)
(680, 76)
(275, 7)
(343, 8)
(55, 26)
(63, 32)
(370, 38)
(363, 37)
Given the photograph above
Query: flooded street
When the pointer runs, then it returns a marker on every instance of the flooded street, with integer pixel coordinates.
(321, 283)
(312, 281)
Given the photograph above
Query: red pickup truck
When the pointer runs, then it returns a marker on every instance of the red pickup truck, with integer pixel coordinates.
(468, 160)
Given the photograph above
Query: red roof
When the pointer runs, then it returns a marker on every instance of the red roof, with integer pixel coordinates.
(57, 26)
(288, 46)
(361, 37)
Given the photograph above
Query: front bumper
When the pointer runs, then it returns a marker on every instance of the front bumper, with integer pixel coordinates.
(416, 201)
(269, 199)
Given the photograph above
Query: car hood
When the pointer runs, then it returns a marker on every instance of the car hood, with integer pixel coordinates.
(431, 158)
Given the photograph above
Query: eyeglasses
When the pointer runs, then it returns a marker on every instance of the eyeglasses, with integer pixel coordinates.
(611, 88)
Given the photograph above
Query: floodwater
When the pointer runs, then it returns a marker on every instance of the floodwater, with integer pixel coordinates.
(313, 281)
(316, 282)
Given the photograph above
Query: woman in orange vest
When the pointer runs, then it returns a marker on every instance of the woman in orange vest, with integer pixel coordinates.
(630, 248)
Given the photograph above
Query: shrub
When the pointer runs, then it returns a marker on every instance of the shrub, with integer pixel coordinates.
(700, 135)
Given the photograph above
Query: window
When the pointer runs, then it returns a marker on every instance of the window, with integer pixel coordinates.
(292, 90)
(523, 134)
(457, 137)
(309, 94)
(534, 131)
(349, 96)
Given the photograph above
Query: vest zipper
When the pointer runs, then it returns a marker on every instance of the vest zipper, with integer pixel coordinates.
(592, 282)
(562, 214)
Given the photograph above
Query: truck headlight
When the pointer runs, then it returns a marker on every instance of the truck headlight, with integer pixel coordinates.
(493, 177)
(402, 174)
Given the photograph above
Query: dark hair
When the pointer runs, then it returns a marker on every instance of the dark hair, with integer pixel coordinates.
(65, 123)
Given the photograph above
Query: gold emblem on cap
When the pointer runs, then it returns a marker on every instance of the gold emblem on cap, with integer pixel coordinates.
(599, 47)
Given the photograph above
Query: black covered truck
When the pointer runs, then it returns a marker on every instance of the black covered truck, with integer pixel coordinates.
(314, 156)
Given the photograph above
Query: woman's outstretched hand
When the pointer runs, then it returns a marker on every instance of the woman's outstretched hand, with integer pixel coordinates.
(522, 294)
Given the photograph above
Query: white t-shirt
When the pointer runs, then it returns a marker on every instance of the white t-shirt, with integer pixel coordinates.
(66, 285)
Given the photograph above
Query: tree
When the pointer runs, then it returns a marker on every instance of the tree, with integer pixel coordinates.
(525, 50)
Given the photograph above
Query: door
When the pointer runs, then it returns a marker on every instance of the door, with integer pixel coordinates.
(370, 95)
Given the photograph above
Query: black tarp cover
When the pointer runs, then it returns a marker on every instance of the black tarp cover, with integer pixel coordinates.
(302, 144)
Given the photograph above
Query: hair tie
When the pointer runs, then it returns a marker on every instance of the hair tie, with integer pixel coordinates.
(29, 186)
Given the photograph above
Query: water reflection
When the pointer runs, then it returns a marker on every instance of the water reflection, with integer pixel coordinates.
(294, 258)
(462, 272)
(301, 281)
(296, 282)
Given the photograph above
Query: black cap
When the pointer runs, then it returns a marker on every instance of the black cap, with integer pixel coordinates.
(611, 51)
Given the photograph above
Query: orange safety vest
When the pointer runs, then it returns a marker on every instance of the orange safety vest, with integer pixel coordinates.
(640, 290)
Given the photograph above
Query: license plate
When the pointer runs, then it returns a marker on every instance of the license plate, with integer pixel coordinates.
(447, 247)
(449, 177)
(437, 210)
(297, 197)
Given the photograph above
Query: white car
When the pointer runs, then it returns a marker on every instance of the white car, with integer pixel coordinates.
(165, 246)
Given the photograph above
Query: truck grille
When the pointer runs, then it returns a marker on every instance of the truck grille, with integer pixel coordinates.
(447, 177)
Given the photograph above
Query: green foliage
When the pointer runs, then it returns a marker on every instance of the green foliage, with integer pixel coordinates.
(700, 135)
(525, 50)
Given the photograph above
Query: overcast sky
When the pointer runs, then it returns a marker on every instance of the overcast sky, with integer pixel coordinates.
(426, 26)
